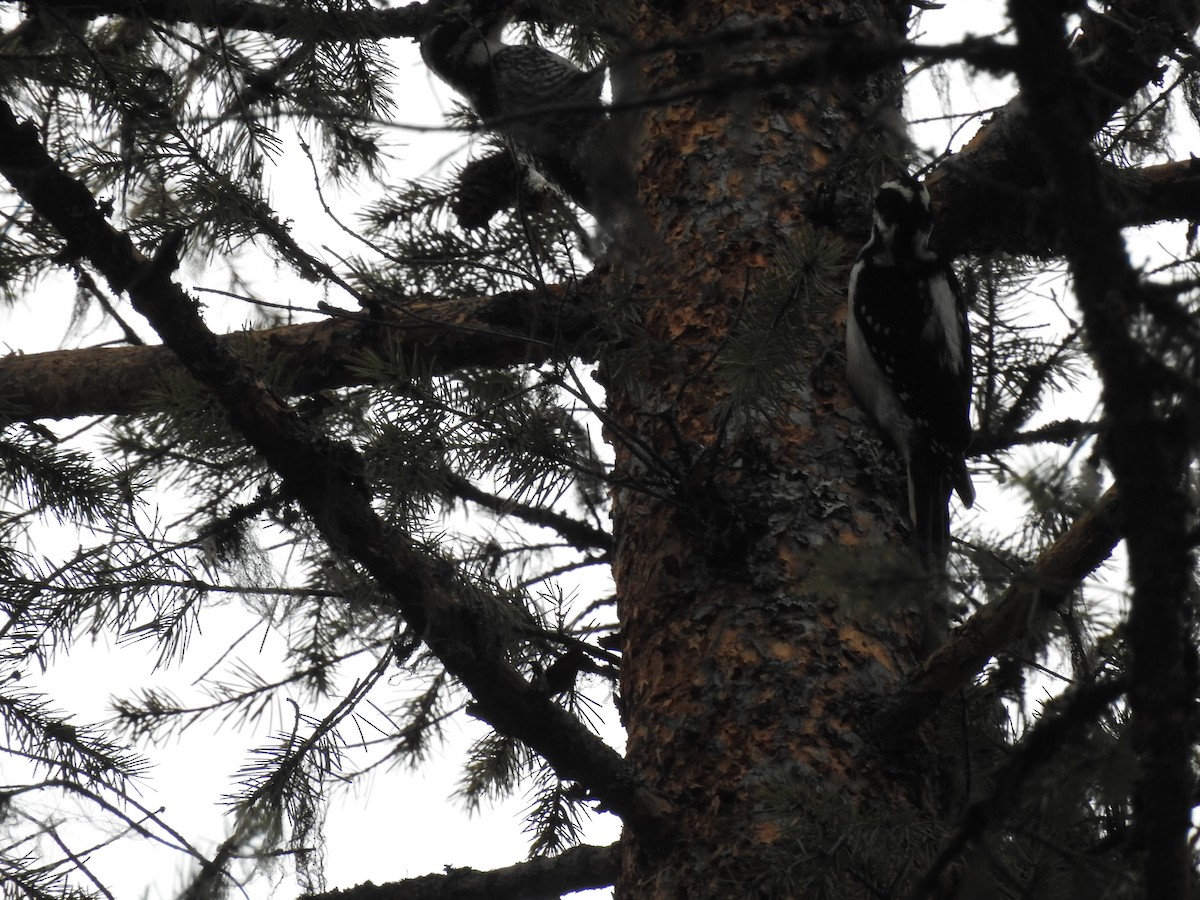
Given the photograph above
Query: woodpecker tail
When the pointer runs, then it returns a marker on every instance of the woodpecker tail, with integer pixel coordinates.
(961, 479)
(929, 487)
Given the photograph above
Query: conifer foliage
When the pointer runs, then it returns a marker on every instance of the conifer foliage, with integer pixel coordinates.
(441, 453)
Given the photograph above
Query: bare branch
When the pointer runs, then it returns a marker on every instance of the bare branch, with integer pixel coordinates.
(546, 878)
(446, 334)
(580, 534)
(1031, 224)
(1157, 193)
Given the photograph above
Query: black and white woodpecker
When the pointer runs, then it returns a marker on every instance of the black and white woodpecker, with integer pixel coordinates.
(908, 355)
(546, 107)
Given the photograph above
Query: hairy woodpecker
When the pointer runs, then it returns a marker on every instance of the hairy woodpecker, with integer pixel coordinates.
(908, 355)
(511, 83)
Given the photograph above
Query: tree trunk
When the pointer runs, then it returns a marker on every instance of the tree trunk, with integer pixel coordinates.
(749, 575)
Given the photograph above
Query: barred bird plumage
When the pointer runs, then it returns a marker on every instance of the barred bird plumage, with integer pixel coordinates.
(547, 108)
(908, 354)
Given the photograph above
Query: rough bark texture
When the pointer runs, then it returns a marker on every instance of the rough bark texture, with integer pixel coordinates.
(746, 665)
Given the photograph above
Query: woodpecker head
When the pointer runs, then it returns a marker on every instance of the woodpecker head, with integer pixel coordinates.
(457, 39)
(902, 220)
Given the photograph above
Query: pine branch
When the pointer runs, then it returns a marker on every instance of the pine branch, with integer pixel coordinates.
(1049, 738)
(1064, 432)
(1148, 452)
(834, 54)
(298, 22)
(581, 535)
(1085, 545)
(326, 478)
(449, 334)
(546, 878)
(1115, 55)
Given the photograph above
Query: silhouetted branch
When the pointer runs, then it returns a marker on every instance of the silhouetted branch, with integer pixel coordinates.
(303, 22)
(581, 535)
(1147, 450)
(545, 878)
(991, 194)
(1055, 732)
(1156, 193)
(1066, 431)
(1056, 575)
(1027, 222)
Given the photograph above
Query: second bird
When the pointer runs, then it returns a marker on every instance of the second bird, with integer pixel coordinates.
(546, 107)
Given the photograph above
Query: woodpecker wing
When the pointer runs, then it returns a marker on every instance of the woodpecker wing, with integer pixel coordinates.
(911, 309)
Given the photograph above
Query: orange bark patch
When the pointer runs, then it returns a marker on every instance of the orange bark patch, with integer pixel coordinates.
(855, 642)
(784, 650)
